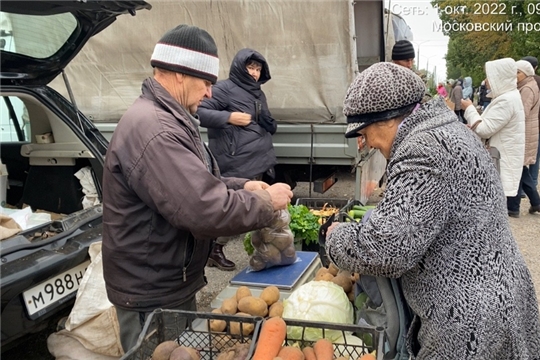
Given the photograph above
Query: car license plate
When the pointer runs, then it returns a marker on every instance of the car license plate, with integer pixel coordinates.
(54, 289)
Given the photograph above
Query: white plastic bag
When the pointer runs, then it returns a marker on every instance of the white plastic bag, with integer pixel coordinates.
(92, 321)
(274, 245)
(89, 187)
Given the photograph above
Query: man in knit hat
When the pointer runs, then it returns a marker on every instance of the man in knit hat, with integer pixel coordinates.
(403, 54)
(450, 245)
(164, 201)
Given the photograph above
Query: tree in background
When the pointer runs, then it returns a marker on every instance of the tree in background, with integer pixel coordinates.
(468, 51)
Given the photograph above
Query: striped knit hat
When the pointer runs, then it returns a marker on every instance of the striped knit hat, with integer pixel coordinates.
(188, 50)
(403, 50)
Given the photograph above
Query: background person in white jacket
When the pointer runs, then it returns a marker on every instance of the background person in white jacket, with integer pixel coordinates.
(503, 122)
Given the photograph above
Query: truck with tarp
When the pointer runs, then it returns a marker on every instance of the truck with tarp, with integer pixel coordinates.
(314, 49)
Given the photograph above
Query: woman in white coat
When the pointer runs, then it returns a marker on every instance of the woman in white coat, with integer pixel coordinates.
(503, 121)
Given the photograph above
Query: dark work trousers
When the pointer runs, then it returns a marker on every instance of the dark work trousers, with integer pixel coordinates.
(529, 189)
(460, 114)
(131, 322)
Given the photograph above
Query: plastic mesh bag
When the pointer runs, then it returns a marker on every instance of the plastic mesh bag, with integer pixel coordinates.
(274, 245)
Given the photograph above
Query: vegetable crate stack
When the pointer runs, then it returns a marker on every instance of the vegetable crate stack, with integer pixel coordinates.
(316, 322)
(206, 337)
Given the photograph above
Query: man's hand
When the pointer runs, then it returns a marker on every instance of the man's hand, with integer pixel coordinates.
(465, 103)
(256, 185)
(281, 195)
(239, 119)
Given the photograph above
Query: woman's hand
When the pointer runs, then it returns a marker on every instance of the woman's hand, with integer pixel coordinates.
(331, 227)
(239, 119)
(465, 103)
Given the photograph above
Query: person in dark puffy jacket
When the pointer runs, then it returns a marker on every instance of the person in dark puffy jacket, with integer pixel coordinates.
(240, 128)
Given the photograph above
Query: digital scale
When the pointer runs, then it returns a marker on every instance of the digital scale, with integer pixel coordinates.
(286, 278)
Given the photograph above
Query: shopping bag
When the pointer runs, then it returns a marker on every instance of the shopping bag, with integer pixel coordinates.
(495, 156)
(492, 150)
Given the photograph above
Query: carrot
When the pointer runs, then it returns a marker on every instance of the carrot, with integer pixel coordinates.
(271, 338)
(291, 353)
(324, 350)
(309, 353)
(367, 357)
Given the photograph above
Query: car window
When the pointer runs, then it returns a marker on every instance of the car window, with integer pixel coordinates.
(14, 120)
(35, 36)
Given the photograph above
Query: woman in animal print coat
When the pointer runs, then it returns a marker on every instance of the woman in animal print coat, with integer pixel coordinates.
(441, 226)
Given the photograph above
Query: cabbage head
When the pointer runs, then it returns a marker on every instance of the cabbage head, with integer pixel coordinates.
(317, 301)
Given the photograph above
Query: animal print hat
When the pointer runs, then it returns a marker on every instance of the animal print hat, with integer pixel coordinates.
(381, 92)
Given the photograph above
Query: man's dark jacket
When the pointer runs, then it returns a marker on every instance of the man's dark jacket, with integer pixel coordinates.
(162, 206)
(241, 151)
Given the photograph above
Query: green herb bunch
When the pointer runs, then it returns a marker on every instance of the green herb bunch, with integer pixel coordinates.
(304, 224)
(248, 246)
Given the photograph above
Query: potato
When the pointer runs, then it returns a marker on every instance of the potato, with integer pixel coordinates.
(246, 328)
(236, 352)
(217, 325)
(184, 353)
(344, 281)
(321, 271)
(256, 239)
(270, 254)
(288, 256)
(229, 306)
(283, 239)
(194, 353)
(221, 341)
(242, 291)
(325, 277)
(253, 305)
(344, 272)
(257, 263)
(180, 353)
(163, 350)
(333, 269)
(270, 295)
(276, 309)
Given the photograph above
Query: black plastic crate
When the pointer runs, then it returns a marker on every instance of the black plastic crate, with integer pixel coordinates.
(353, 351)
(162, 325)
(319, 203)
(343, 213)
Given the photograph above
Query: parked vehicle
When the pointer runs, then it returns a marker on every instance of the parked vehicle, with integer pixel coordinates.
(45, 142)
(314, 49)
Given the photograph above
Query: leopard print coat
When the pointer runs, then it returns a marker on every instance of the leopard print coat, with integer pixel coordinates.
(442, 227)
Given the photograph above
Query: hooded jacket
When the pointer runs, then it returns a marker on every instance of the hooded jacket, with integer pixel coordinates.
(163, 206)
(503, 121)
(530, 96)
(483, 94)
(451, 245)
(241, 151)
(467, 88)
(456, 95)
